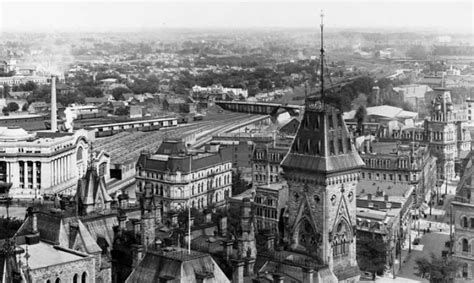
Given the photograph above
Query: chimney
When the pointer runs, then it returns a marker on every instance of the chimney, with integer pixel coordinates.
(137, 254)
(122, 221)
(385, 197)
(238, 272)
(307, 275)
(54, 122)
(249, 266)
(228, 248)
(223, 226)
(147, 228)
(369, 196)
(136, 227)
(246, 208)
(33, 211)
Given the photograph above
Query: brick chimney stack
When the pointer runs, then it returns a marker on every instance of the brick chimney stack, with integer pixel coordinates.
(54, 122)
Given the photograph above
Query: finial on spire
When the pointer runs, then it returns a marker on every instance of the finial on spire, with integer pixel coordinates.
(322, 16)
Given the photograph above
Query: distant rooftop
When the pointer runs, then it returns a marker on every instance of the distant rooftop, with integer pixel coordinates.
(394, 190)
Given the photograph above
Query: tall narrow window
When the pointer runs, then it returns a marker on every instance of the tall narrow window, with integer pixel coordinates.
(331, 147)
(465, 245)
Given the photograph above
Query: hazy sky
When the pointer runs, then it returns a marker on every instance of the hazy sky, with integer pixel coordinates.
(107, 15)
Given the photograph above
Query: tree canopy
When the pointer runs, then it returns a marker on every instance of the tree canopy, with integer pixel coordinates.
(12, 107)
(371, 255)
(437, 269)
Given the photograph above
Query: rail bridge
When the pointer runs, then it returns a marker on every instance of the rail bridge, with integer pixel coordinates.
(262, 108)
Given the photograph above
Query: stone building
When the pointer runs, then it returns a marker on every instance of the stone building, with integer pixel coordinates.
(182, 178)
(322, 171)
(394, 163)
(449, 139)
(133, 237)
(86, 228)
(463, 220)
(384, 216)
(269, 206)
(445, 133)
(42, 162)
(266, 159)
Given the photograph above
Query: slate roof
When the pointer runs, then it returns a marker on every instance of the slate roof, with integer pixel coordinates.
(92, 187)
(322, 143)
(102, 227)
(178, 266)
(291, 127)
(172, 156)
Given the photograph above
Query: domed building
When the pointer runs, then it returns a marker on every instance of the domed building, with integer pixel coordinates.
(38, 163)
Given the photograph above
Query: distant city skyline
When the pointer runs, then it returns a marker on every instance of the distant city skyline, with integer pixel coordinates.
(116, 16)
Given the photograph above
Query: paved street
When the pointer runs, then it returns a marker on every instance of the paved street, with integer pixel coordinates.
(433, 242)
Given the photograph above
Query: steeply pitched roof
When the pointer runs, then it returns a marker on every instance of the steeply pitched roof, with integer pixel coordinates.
(177, 265)
(101, 227)
(92, 188)
(291, 127)
(322, 143)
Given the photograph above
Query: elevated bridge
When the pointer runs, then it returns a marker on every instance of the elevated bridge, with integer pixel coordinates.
(262, 108)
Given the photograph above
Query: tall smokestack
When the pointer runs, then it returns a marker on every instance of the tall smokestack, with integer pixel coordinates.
(54, 122)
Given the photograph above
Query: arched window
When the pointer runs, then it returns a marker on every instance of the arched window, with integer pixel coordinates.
(465, 245)
(48, 281)
(79, 153)
(84, 277)
(58, 280)
(340, 240)
(75, 278)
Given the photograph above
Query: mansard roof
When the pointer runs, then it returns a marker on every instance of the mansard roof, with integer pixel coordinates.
(322, 143)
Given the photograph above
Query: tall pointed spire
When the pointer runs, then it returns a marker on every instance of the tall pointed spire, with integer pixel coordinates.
(321, 59)
(322, 143)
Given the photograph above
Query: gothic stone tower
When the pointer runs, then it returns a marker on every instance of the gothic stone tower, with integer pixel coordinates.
(442, 134)
(322, 170)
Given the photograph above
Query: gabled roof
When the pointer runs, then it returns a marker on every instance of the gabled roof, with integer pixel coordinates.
(322, 143)
(85, 240)
(92, 188)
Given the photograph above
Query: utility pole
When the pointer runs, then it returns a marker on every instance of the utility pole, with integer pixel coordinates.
(450, 230)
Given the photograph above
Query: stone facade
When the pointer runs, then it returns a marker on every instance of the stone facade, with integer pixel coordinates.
(42, 163)
(269, 204)
(406, 164)
(463, 219)
(67, 272)
(266, 159)
(180, 178)
(322, 170)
